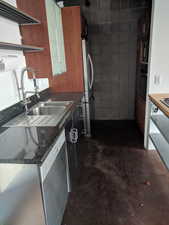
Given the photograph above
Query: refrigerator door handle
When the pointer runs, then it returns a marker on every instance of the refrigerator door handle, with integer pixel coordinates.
(92, 72)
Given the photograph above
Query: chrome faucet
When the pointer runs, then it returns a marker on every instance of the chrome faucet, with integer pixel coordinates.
(24, 93)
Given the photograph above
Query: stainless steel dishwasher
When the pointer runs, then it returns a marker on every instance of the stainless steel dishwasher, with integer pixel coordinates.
(55, 182)
(34, 176)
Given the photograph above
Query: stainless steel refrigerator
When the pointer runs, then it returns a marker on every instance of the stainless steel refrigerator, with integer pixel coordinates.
(88, 100)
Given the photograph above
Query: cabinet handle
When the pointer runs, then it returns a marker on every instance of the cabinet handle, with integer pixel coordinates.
(155, 110)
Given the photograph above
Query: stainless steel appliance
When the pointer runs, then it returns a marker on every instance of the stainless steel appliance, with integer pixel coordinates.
(34, 193)
(55, 185)
(88, 100)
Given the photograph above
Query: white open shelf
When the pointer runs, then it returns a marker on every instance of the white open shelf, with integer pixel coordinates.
(26, 48)
(162, 123)
(10, 12)
(162, 147)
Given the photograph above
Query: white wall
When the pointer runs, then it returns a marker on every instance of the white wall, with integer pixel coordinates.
(158, 75)
(159, 51)
(8, 90)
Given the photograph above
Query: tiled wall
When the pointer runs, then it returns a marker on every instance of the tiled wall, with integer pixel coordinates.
(14, 61)
(113, 41)
(114, 54)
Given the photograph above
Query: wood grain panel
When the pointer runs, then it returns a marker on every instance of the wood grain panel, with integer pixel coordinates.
(36, 35)
(72, 80)
(140, 113)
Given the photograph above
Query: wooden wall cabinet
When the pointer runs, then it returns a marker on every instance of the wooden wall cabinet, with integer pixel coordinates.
(48, 62)
(72, 80)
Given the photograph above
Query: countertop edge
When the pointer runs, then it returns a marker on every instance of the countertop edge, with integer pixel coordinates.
(156, 99)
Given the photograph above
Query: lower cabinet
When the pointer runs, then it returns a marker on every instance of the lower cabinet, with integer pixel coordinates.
(140, 113)
(72, 155)
(76, 124)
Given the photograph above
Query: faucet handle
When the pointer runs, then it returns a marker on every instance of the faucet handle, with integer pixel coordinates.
(34, 83)
(38, 95)
(26, 101)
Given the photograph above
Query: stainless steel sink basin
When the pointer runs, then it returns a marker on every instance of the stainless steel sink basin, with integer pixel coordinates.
(45, 110)
(42, 114)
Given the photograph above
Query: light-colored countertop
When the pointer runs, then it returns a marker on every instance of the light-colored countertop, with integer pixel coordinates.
(156, 99)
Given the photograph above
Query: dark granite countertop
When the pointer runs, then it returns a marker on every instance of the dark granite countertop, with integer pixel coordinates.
(32, 145)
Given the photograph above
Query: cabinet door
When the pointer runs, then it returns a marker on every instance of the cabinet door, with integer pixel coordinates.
(56, 40)
(72, 156)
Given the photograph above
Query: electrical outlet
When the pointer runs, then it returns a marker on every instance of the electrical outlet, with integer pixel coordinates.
(156, 79)
(8, 62)
(2, 66)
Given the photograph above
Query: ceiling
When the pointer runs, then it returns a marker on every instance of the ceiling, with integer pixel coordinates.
(115, 4)
(106, 11)
(68, 3)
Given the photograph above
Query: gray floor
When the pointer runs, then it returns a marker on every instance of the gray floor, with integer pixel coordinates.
(119, 182)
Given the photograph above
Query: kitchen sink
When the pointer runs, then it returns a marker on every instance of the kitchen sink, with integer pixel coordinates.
(49, 108)
(46, 110)
(43, 114)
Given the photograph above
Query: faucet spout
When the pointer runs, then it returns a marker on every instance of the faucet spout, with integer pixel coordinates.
(36, 88)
